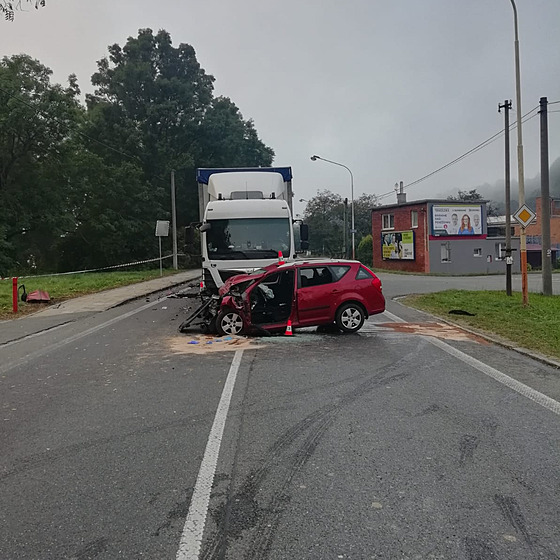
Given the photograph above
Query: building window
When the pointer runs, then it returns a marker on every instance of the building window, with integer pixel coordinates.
(388, 221)
(414, 218)
(477, 253)
(445, 253)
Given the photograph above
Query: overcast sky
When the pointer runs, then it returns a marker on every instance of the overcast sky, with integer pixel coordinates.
(392, 89)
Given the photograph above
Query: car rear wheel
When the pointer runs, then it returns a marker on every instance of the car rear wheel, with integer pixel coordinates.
(229, 322)
(350, 317)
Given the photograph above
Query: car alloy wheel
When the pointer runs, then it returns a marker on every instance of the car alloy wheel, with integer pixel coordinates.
(229, 322)
(350, 317)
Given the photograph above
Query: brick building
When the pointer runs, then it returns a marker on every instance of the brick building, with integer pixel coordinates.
(438, 236)
(534, 234)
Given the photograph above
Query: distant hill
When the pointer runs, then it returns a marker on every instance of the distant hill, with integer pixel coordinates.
(496, 192)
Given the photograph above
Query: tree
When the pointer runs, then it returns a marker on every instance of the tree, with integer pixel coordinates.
(362, 214)
(8, 8)
(37, 122)
(153, 107)
(365, 250)
(230, 141)
(324, 214)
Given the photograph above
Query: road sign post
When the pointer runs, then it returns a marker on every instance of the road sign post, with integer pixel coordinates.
(162, 230)
(524, 216)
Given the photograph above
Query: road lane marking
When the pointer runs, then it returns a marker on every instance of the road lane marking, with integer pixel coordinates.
(191, 538)
(394, 317)
(517, 386)
(38, 353)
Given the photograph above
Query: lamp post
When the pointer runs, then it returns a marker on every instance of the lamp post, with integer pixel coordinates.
(315, 158)
(520, 175)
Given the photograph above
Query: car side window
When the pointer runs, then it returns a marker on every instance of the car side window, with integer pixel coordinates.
(338, 272)
(363, 274)
(315, 276)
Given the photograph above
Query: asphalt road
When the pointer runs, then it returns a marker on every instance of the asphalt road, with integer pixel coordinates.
(121, 438)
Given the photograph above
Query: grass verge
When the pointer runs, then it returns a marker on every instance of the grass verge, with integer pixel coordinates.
(61, 288)
(535, 327)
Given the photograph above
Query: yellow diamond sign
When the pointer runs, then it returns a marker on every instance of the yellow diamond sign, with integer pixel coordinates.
(524, 216)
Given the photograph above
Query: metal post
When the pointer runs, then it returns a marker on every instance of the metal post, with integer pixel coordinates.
(174, 221)
(520, 175)
(507, 106)
(352, 209)
(353, 230)
(14, 295)
(545, 203)
(160, 259)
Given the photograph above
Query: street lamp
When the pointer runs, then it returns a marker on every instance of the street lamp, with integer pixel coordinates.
(315, 158)
(520, 177)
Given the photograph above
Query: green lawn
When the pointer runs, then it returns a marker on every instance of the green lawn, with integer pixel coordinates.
(535, 327)
(71, 285)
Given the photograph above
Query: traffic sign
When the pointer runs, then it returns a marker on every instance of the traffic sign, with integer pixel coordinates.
(524, 216)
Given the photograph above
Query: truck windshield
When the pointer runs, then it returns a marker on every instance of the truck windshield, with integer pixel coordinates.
(248, 238)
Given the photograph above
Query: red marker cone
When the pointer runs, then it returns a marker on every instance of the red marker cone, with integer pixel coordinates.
(289, 329)
(281, 258)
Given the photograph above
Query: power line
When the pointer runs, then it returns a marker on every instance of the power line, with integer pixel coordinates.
(480, 146)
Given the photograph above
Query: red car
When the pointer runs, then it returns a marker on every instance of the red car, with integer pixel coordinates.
(309, 293)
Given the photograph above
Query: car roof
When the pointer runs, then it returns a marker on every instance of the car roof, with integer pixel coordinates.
(315, 262)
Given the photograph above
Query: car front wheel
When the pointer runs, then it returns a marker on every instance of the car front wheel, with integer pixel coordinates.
(350, 317)
(229, 322)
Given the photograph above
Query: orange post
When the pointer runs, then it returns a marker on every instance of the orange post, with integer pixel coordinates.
(14, 295)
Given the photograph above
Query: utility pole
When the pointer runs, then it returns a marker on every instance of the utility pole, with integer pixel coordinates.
(509, 260)
(174, 221)
(545, 203)
(520, 169)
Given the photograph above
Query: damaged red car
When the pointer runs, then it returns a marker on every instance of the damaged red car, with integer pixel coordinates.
(308, 293)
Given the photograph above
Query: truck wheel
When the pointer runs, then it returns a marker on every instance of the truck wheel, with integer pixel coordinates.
(229, 322)
(350, 317)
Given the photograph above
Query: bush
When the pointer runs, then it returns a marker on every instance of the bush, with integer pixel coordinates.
(365, 250)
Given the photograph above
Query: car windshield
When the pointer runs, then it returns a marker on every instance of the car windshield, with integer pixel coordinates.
(248, 238)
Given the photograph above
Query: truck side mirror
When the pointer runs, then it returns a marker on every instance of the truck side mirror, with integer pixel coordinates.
(304, 245)
(205, 227)
(304, 232)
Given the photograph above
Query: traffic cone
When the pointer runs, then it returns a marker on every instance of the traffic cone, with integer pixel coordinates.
(281, 258)
(289, 329)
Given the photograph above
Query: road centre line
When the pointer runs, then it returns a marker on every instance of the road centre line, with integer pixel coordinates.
(38, 353)
(517, 386)
(191, 538)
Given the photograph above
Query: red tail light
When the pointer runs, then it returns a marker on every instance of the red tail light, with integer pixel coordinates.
(377, 283)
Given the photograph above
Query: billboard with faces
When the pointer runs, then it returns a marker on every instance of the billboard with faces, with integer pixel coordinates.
(456, 219)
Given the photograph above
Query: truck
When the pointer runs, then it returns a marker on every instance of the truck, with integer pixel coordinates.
(246, 221)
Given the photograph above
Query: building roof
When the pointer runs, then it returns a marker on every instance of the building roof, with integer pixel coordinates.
(431, 201)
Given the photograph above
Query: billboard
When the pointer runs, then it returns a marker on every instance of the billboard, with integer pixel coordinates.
(398, 245)
(456, 219)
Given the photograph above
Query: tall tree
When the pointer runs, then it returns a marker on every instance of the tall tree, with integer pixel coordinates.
(153, 107)
(37, 120)
(326, 214)
(362, 215)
